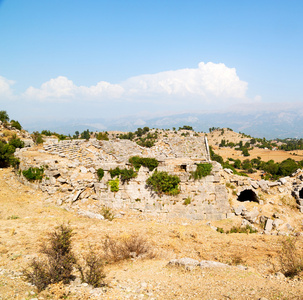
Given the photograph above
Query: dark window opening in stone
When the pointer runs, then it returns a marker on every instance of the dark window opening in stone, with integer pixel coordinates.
(183, 167)
(301, 194)
(248, 195)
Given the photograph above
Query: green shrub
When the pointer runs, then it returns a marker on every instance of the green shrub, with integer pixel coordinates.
(16, 142)
(150, 163)
(202, 171)
(100, 173)
(114, 185)
(4, 116)
(103, 136)
(163, 183)
(187, 201)
(124, 174)
(16, 124)
(33, 174)
(7, 155)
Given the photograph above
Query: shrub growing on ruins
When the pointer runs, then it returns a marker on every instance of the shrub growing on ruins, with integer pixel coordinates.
(202, 171)
(150, 163)
(114, 185)
(124, 174)
(163, 183)
(100, 173)
(33, 174)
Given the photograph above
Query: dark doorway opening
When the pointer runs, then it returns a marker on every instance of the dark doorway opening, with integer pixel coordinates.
(301, 194)
(248, 195)
(183, 167)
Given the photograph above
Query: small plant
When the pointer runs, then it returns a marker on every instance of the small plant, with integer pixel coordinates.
(187, 201)
(114, 185)
(202, 171)
(291, 262)
(100, 173)
(241, 229)
(107, 213)
(125, 248)
(33, 174)
(92, 272)
(58, 263)
(219, 229)
(163, 183)
(13, 217)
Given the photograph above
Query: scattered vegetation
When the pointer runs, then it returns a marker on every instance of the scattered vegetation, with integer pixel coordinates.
(142, 137)
(103, 136)
(163, 183)
(238, 229)
(59, 261)
(201, 171)
(150, 163)
(186, 127)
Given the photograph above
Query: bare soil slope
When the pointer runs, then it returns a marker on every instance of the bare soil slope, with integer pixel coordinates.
(26, 217)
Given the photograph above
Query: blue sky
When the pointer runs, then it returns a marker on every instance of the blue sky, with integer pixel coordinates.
(73, 59)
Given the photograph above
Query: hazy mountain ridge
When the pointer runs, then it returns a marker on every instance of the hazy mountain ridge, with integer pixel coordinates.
(264, 124)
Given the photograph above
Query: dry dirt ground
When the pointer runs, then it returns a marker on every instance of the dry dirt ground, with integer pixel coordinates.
(26, 217)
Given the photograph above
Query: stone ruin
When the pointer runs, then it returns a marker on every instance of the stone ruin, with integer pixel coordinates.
(70, 178)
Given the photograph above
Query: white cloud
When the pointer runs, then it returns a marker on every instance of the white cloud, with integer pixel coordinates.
(208, 80)
(5, 86)
(61, 88)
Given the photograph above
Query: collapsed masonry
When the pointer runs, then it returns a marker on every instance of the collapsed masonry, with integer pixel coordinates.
(70, 176)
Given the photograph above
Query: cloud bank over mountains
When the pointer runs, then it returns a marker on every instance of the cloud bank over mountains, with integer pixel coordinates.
(209, 83)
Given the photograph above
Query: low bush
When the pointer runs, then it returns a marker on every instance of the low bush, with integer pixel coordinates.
(16, 124)
(163, 183)
(33, 174)
(92, 271)
(150, 163)
(102, 136)
(58, 263)
(125, 248)
(291, 261)
(107, 213)
(202, 171)
(187, 201)
(242, 229)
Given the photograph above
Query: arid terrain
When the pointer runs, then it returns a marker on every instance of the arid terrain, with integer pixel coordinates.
(26, 218)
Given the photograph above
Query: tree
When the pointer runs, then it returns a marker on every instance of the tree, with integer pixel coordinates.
(16, 124)
(4, 116)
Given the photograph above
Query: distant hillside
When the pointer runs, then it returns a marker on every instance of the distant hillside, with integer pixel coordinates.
(264, 124)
